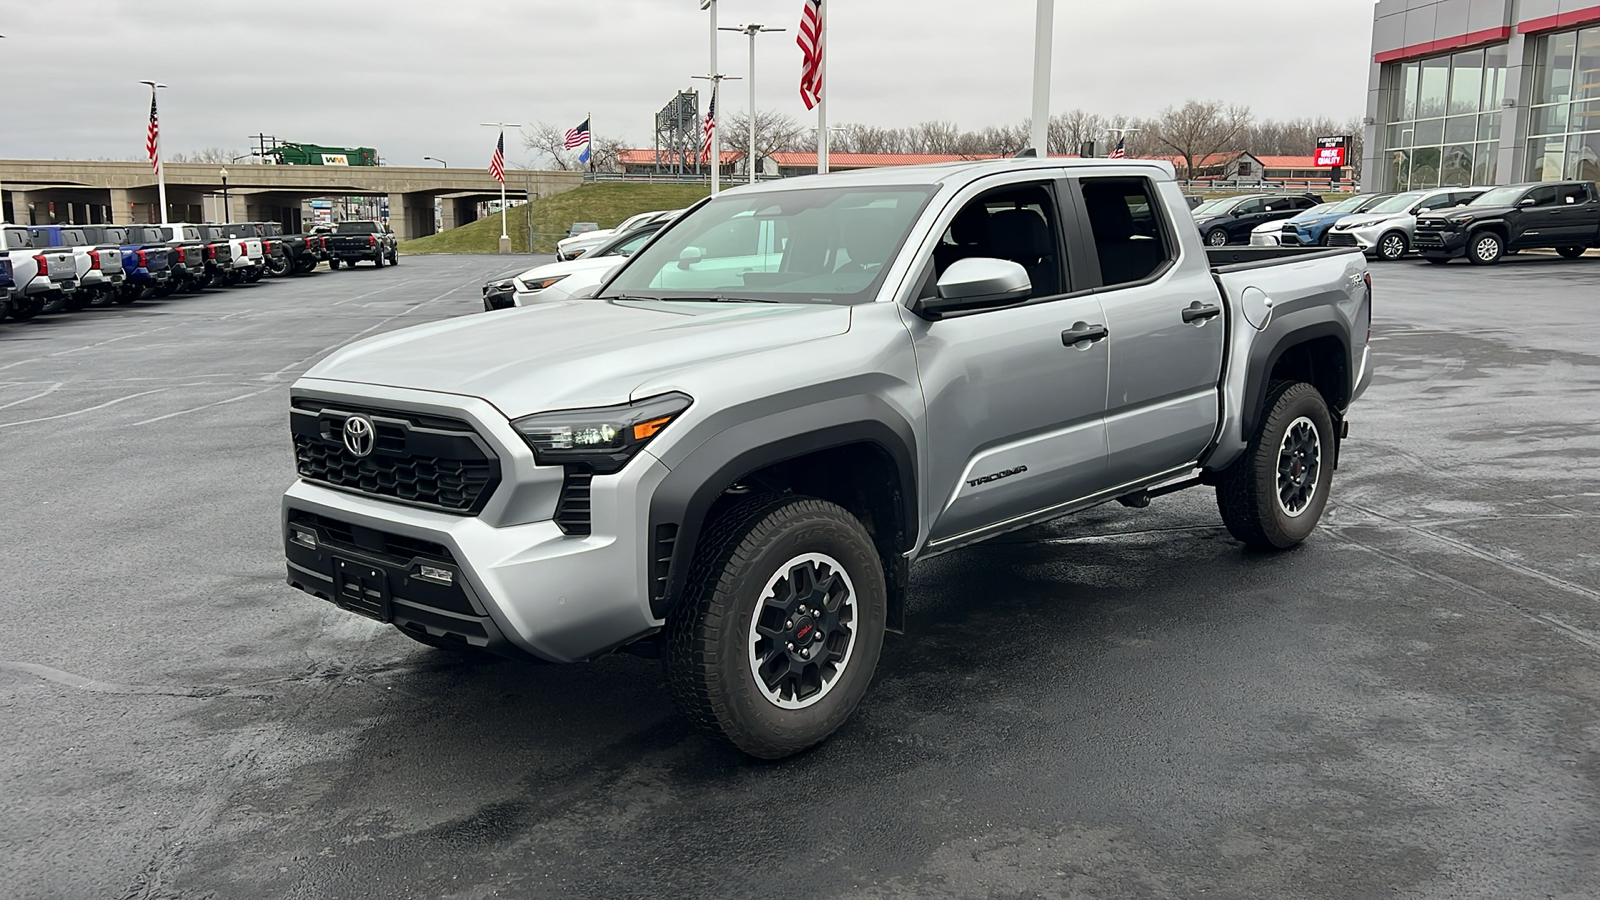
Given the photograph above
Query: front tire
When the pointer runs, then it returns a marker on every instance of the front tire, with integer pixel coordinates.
(1392, 246)
(1485, 248)
(1438, 260)
(776, 640)
(1273, 496)
(1571, 252)
(1216, 237)
(333, 263)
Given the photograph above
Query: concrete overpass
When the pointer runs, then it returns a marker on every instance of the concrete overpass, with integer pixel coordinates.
(50, 191)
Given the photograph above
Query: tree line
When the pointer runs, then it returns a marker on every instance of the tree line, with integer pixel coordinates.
(1190, 132)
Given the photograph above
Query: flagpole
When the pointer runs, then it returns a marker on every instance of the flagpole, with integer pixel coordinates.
(1043, 40)
(505, 238)
(716, 133)
(822, 95)
(161, 170)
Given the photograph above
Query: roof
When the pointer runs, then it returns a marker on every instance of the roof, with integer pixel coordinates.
(865, 160)
(647, 157)
(1288, 162)
(960, 171)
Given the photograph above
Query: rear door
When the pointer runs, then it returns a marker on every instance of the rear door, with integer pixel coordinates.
(1015, 396)
(1579, 213)
(1167, 329)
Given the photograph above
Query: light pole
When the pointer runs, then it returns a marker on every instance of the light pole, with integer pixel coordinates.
(753, 30)
(155, 149)
(505, 239)
(1043, 39)
(716, 134)
(437, 160)
(227, 210)
(2, 185)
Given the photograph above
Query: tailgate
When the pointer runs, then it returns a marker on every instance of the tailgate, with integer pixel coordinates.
(110, 258)
(63, 267)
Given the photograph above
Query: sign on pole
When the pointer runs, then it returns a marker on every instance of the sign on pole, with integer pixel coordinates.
(1331, 151)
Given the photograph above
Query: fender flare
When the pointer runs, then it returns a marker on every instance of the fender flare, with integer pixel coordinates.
(1304, 326)
(685, 496)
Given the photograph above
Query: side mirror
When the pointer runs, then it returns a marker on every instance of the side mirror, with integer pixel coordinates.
(1526, 201)
(689, 256)
(976, 283)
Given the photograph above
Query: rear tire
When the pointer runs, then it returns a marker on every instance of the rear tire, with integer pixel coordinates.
(25, 308)
(1485, 248)
(1571, 252)
(333, 263)
(1438, 260)
(377, 261)
(777, 637)
(1272, 497)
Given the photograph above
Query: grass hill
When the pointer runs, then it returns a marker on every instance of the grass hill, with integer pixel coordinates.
(607, 204)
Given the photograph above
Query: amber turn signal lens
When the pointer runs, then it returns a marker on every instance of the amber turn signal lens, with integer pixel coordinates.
(646, 430)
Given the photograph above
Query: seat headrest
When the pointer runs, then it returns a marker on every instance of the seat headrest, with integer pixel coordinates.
(1020, 235)
(1109, 215)
(971, 226)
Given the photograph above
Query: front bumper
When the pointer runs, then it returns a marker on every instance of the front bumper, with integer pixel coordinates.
(1364, 238)
(522, 585)
(1449, 242)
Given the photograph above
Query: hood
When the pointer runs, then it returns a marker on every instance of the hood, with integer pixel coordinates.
(1477, 212)
(1359, 220)
(574, 354)
(587, 264)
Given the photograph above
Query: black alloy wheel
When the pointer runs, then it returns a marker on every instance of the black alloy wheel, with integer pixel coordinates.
(779, 631)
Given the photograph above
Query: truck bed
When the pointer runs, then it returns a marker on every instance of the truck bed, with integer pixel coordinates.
(1238, 259)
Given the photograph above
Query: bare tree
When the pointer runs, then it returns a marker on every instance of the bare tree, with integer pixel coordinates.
(934, 137)
(1070, 130)
(1199, 129)
(208, 155)
(775, 133)
(548, 143)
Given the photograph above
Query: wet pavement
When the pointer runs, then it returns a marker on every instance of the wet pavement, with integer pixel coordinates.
(1123, 704)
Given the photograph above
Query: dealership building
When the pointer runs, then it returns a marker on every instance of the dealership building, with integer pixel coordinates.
(1482, 92)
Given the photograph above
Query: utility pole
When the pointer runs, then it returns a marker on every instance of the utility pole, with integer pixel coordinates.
(1043, 40)
(753, 30)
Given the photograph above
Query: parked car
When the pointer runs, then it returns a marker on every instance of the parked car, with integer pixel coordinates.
(1563, 216)
(7, 285)
(301, 251)
(1273, 233)
(245, 262)
(579, 277)
(582, 228)
(1310, 228)
(203, 257)
(144, 264)
(41, 279)
(574, 247)
(797, 390)
(186, 255)
(1386, 229)
(362, 241)
(98, 265)
(1229, 220)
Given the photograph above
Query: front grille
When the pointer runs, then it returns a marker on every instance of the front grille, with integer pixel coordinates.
(397, 557)
(1428, 236)
(572, 511)
(421, 460)
(1342, 239)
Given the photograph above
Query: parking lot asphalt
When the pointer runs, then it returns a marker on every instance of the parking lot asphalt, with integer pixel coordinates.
(1120, 704)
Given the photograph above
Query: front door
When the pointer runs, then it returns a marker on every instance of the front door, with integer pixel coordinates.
(1015, 396)
(1167, 328)
(1542, 220)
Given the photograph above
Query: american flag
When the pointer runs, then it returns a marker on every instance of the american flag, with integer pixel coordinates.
(1122, 151)
(577, 137)
(152, 139)
(810, 42)
(711, 125)
(497, 163)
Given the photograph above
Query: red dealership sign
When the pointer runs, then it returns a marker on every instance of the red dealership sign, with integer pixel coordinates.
(1331, 151)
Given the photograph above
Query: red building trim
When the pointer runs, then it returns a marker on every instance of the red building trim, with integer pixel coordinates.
(1459, 42)
(1563, 20)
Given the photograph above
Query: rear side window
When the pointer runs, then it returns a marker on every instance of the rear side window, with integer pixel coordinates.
(1439, 202)
(1574, 193)
(1129, 238)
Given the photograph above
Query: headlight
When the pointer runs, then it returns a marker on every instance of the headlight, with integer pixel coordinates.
(1461, 220)
(603, 439)
(538, 284)
(498, 286)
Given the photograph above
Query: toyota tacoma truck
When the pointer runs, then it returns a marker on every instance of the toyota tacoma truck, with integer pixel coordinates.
(1563, 216)
(730, 456)
(361, 241)
(42, 278)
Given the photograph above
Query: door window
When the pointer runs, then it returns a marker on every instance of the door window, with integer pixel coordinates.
(1248, 207)
(1543, 196)
(1441, 201)
(1130, 240)
(1016, 223)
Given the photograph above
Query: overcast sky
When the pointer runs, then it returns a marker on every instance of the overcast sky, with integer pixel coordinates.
(414, 78)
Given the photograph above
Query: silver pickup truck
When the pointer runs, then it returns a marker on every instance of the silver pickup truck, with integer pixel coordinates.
(730, 456)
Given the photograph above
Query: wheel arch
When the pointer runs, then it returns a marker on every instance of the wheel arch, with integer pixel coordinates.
(854, 451)
(1317, 353)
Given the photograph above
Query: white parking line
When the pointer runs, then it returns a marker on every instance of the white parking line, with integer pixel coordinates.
(79, 412)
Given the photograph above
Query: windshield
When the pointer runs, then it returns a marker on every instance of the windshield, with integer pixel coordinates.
(1315, 211)
(627, 246)
(1350, 204)
(823, 245)
(1213, 207)
(356, 228)
(1500, 196)
(1399, 203)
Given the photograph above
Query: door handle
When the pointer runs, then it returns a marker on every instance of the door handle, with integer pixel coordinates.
(1083, 331)
(1199, 312)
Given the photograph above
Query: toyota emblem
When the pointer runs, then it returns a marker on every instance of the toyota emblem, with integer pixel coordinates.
(359, 435)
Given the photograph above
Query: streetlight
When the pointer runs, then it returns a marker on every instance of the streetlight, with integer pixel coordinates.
(155, 149)
(1043, 35)
(752, 30)
(227, 211)
(437, 160)
(505, 239)
(2, 187)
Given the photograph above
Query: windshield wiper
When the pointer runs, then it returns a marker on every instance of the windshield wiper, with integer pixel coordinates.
(630, 297)
(724, 298)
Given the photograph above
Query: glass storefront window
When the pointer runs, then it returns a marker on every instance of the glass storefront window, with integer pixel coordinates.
(1423, 148)
(1565, 138)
